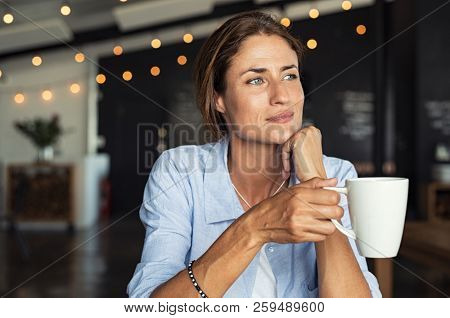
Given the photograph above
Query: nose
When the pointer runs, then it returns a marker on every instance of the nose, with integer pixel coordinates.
(278, 94)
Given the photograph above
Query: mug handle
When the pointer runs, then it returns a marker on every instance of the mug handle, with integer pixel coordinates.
(347, 232)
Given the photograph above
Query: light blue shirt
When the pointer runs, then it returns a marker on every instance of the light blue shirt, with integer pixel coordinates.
(189, 202)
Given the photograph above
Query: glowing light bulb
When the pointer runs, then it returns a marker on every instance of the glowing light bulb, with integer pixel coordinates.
(155, 71)
(47, 95)
(36, 60)
(156, 43)
(100, 78)
(19, 98)
(79, 57)
(312, 44)
(314, 13)
(65, 9)
(127, 75)
(188, 38)
(75, 88)
(286, 22)
(8, 18)
(117, 50)
(346, 5)
(182, 60)
(361, 29)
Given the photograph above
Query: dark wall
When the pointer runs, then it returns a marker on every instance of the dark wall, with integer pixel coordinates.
(432, 91)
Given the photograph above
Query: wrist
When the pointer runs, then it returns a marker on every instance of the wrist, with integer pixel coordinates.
(247, 226)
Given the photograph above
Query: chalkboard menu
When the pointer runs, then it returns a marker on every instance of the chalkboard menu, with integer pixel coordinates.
(438, 113)
(357, 115)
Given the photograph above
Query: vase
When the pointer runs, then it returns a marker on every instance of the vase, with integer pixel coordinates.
(46, 153)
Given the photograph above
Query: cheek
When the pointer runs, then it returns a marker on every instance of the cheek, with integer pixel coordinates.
(247, 108)
(297, 123)
(300, 100)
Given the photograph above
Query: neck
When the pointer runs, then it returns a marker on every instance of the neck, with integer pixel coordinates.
(255, 168)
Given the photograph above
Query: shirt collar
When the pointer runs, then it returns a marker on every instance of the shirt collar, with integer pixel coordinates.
(217, 185)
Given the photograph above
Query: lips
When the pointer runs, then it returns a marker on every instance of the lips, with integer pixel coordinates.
(282, 117)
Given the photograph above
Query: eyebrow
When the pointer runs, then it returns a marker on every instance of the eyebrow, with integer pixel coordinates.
(263, 69)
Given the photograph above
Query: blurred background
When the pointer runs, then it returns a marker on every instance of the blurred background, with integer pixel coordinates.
(91, 92)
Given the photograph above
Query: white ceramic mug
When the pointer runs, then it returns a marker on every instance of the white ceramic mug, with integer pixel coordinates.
(377, 211)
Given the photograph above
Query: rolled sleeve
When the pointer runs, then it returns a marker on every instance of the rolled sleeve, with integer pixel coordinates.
(167, 217)
(349, 172)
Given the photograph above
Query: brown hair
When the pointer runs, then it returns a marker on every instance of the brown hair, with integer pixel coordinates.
(215, 55)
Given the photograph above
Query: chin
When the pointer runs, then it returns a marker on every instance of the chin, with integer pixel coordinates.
(280, 134)
(279, 138)
(275, 134)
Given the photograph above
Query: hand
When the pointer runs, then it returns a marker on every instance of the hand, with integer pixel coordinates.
(306, 148)
(299, 214)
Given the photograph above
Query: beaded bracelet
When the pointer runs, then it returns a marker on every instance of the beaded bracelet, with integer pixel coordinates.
(191, 276)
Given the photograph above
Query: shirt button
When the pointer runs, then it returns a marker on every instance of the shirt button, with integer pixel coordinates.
(270, 249)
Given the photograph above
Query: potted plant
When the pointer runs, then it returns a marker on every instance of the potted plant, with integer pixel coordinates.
(43, 133)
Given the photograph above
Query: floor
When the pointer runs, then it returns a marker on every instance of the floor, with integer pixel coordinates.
(88, 264)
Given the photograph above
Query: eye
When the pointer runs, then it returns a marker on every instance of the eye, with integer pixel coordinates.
(255, 81)
(290, 77)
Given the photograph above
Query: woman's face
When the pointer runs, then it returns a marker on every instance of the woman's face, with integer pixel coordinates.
(263, 99)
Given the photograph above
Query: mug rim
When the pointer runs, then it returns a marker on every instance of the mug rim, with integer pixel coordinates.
(371, 179)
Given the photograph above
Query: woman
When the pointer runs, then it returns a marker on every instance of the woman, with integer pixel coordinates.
(230, 218)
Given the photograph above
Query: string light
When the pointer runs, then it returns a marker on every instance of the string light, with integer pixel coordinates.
(8, 18)
(188, 38)
(127, 75)
(182, 60)
(346, 5)
(286, 22)
(47, 95)
(36, 60)
(19, 98)
(361, 29)
(79, 57)
(156, 43)
(65, 9)
(75, 88)
(155, 71)
(313, 13)
(1, 73)
(100, 78)
(117, 50)
(123, 1)
(312, 44)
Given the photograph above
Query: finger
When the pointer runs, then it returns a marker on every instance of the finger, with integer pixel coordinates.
(315, 196)
(319, 211)
(312, 237)
(285, 174)
(286, 168)
(286, 151)
(326, 212)
(321, 228)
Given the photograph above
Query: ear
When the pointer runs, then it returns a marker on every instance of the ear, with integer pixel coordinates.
(219, 103)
